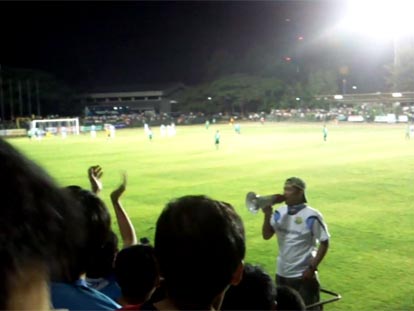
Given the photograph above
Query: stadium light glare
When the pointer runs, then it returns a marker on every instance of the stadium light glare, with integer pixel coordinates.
(380, 18)
(396, 95)
(338, 97)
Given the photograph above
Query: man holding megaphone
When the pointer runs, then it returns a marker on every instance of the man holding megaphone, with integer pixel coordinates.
(298, 228)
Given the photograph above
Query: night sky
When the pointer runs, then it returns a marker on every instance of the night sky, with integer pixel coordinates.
(156, 42)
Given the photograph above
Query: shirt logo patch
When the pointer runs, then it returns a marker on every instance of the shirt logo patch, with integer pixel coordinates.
(298, 220)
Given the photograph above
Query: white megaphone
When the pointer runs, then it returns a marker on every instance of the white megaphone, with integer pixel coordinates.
(254, 202)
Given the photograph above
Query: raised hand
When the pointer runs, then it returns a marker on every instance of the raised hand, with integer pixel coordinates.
(95, 174)
(117, 193)
(278, 198)
(126, 228)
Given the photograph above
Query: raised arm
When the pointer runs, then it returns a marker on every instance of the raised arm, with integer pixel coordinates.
(124, 223)
(95, 174)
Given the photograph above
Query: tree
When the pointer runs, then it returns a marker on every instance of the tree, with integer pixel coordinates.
(233, 93)
(322, 82)
(196, 99)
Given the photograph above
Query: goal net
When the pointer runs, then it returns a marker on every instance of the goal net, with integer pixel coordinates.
(56, 126)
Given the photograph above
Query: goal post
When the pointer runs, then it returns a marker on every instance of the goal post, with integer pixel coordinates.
(56, 126)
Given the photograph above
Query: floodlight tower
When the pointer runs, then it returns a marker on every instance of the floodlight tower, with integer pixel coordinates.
(386, 19)
(405, 43)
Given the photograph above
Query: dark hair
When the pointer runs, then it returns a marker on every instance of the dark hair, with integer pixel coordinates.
(136, 272)
(144, 241)
(198, 238)
(288, 298)
(102, 259)
(36, 223)
(97, 228)
(256, 291)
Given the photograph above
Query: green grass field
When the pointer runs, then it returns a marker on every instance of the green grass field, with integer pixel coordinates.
(361, 180)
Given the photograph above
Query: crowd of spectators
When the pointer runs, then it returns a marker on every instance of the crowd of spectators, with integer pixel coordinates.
(59, 250)
(353, 114)
(123, 117)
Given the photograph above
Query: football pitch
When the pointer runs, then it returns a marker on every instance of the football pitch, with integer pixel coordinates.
(361, 180)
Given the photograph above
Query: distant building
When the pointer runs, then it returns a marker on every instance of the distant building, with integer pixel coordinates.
(160, 99)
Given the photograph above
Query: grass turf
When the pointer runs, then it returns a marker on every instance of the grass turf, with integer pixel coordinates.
(361, 179)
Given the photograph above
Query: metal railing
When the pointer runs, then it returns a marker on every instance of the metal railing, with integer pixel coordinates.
(336, 297)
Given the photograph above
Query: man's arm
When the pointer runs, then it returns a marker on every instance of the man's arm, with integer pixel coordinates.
(322, 250)
(124, 223)
(313, 266)
(267, 229)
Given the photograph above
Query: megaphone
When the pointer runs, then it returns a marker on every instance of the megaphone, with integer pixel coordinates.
(254, 202)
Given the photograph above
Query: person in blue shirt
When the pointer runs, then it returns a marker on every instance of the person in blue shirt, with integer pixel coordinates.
(79, 296)
(100, 274)
(68, 289)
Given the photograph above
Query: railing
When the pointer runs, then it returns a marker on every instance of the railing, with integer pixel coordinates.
(324, 302)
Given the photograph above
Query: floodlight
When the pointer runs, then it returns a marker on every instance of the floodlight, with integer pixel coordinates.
(380, 18)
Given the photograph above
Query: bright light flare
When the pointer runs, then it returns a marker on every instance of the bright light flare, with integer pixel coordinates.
(380, 18)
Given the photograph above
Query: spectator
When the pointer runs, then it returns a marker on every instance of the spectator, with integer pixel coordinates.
(73, 293)
(137, 274)
(124, 223)
(37, 236)
(298, 228)
(200, 246)
(256, 291)
(100, 274)
(288, 299)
